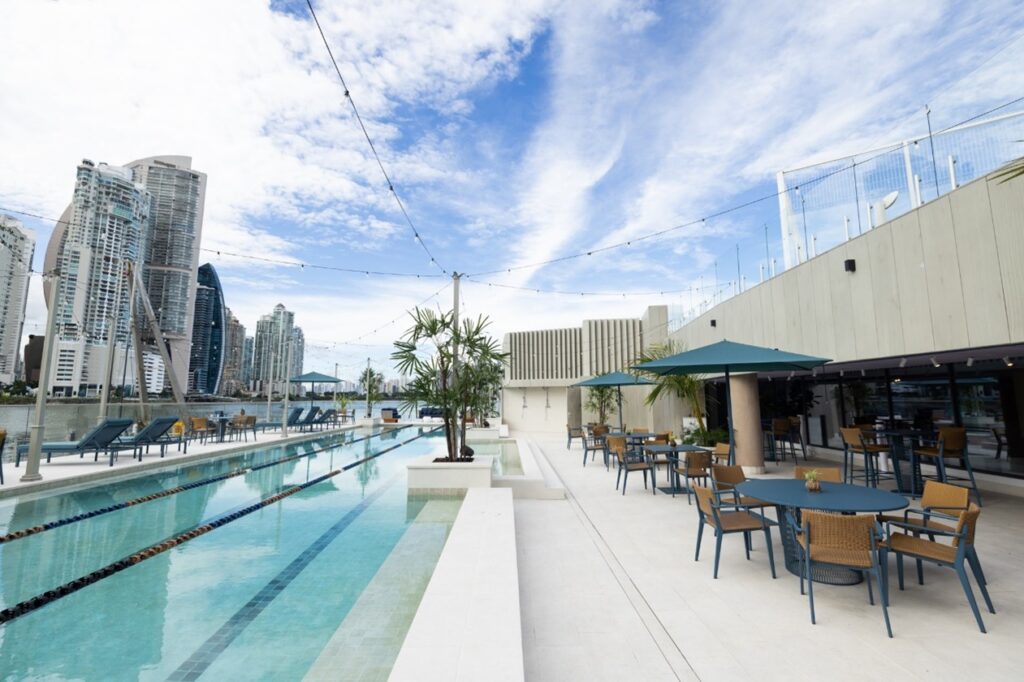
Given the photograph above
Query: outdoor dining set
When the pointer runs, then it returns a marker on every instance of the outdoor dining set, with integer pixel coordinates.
(839, 531)
(837, 524)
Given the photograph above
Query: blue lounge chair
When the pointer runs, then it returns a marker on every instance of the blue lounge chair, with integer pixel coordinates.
(309, 421)
(326, 418)
(101, 438)
(293, 420)
(155, 433)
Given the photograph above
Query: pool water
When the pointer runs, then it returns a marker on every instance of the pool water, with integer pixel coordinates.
(505, 453)
(324, 582)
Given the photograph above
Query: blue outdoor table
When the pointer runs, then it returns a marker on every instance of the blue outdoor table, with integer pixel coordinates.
(898, 442)
(792, 494)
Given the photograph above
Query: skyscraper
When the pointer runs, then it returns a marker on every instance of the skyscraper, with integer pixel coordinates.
(206, 361)
(17, 246)
(170, 255)
(273, 336)
(298, 351)
(97, 237)
(234, 354)
(247, 353)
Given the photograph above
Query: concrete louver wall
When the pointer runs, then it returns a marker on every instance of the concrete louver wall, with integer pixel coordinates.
(544, 365)
(946, 276)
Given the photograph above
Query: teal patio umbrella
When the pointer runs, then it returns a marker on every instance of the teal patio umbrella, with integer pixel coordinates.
(729, 356)
(313, 378)
(618, 380)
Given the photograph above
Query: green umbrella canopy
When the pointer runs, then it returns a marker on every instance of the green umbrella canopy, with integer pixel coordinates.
(614, 379)
(315, 378)
(729, 356)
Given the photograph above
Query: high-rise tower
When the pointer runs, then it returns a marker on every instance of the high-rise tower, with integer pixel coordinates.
(17, 246)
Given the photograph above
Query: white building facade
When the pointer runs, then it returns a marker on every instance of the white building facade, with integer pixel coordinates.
(17, 246)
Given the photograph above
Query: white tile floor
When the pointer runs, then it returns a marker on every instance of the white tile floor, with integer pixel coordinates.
(583, 621)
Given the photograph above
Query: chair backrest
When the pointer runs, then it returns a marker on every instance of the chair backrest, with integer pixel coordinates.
(945, 498)
(311, 415)
(156, 429)
(780, 426)
(953, 439)
(600, 430)
(721, 450)
(705, 501)
(178, 429)
(727, 477)
(839, 531)
(830, 474)
(293, 418)
(640, 430)
(3, 440)
(698, 460)
(969, 521)
(105, 434)
(852, 436)
(660, 439)
(617, 446)
(250, 420)
(199, 423)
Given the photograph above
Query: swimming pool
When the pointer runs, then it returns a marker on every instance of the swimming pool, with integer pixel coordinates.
(325, 579)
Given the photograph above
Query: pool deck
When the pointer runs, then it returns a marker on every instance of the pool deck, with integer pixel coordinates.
(70, 470)
(609, 590)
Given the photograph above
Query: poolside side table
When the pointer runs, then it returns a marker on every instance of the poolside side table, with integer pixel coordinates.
(792, 495)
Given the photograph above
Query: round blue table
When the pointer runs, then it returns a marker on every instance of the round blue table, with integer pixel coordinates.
(792, 494)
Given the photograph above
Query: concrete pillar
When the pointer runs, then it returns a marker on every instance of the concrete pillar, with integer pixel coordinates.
(746, 414)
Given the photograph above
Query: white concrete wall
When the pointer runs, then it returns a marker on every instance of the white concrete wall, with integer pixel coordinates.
(545, 411)
(946, 276)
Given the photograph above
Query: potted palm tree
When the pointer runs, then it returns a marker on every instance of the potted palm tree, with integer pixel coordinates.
(687, 387)
(371, 381)
(455, 367)
(601, 400)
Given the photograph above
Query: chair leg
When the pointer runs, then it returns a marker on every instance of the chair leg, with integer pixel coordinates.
(899, 570)
(867, 579)
(746, 543)
(645, 479)
(979, 577)
(970, 596)
(625, 477)
(810, 587)
(920, 572)
(970, 474)
(882, 597)
(802, 572)
(718, 550)
(700, 535)
(883, 560)
(618, 478)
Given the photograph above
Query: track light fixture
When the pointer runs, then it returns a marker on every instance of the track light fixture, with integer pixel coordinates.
(936, 363)
(903, 363)
(970, 362)
(1007, 361)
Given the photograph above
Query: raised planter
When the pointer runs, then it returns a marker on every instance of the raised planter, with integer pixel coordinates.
(368, 421)
(426, 474)
(481, 433)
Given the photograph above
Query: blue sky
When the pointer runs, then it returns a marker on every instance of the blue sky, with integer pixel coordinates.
(514, 133)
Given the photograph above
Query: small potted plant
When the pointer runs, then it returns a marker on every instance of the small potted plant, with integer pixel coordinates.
(812, 482)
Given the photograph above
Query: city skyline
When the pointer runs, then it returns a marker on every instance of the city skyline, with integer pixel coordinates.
(495, 148)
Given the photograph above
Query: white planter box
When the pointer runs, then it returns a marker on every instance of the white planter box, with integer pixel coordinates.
(368, 421)
(425, 473)
(480, 433)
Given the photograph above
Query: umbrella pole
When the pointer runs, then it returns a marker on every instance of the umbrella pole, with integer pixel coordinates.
(732, 435)
(619, 389)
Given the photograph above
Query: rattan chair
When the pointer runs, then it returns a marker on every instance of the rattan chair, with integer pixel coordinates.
(726, 518)
(573, 432)
(855, 443)
(844, 541)
(726, 478)
(202, 428)
(594, 441)
(661, 459)
(937, 498)
(696, 465)
(955, 555)
(952, 444)
(629, 461)
(721, 453)
(828, 474)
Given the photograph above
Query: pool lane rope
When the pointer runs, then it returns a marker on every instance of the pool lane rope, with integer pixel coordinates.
(40, 600)
(33, 530)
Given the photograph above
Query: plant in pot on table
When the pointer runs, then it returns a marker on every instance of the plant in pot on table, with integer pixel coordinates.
(453, 367)
(812, 482)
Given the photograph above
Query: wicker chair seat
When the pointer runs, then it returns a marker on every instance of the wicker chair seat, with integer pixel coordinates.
(753, 502)
(637, 466)
(911, 546)
(739, 520)
(857, 558)
(934, 452)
